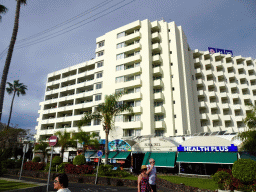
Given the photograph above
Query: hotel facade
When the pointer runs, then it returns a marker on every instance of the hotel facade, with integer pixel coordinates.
(173, 90)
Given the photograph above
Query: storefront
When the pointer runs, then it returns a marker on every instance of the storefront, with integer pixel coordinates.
(162, 150)
(206, 156)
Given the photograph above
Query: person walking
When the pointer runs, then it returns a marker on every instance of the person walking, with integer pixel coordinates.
(151, 171)
(61, 183)
(143, 183)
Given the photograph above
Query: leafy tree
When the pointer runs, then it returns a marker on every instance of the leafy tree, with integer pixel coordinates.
(43, 147)
(249, 137)
(106, 113)
(15, 88)
(9, 54)
(65, 141)
(3, 9)
(86, 139)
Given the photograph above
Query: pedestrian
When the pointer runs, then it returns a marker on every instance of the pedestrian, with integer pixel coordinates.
(61, 183)
(143, 183)
(151, 171)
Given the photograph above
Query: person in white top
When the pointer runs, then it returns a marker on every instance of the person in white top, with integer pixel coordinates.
(151, 171)
(61, 183)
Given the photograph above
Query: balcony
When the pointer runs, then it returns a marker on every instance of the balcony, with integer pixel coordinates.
(158, 83)
(155, 25)
(200, 93)
(158, 96)
(156, 59)
(203, 116)
(131, 96)
(132, 59)
(156, 36)
(127, 84)
(218, 64)
(225, 106)
(129, 71)
(159, 124)
(129, 48)
(199, 82)
(210, 83)
(226, 117)
(208, 72)
(132, 124)
(222, 84)
(198, 71)
(131, 37)
(196, 60)
(211, 94)
(156, 47)
(223, 95)
(238, 118)
(159, 109)
(213, 105)
(157, 71)
(215, 117)
(201, 105)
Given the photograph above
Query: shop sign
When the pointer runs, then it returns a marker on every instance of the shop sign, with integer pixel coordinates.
(88, 160)
(221, 51)
(119, 145)
(114, 160)
(231, 148)
(96, 160)
(120, 161)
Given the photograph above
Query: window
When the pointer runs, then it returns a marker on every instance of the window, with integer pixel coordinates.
(120, 45)
(157, 90)
(129, 91)
(131, 78)
(119, 118)
(173, 88)
(100, 64)
(101, 44)
(170, 52)
(171, 64)
(173, 102)
(136, 64)
(99, 75)
(136, 53)
(100, 53)
(137, 77)
(97, 97)
(156, 104)
(96, 122)
(119, 79)
(122, 34)
(137, 132)
(119, 67)
(98, 85)
(159, 133)
(137, 118)
(120, 56)
(175, 116)
(120, 90)
(137, 103)
(159, 117)
(137, 89)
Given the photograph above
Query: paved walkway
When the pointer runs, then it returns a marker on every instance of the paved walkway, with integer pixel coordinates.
(74, 187)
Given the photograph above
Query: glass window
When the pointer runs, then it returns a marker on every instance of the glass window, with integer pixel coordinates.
(98, 85)
(119, 90)
(159, 117)
(136, 53)
(120, 56)
(137, 89)
(120, 45)
(96, 122)
(136, 64)
(97, 97)
(122, 34)
(129, 91)
(131, 78)
(137, 117)
(100, 53)
(137, 77)
(119, 79)
(101, 44)
(119, 118)
(137, 103)
(100, 64)
(99, 75)
(159, 133)
(137, 132)
(119, 67)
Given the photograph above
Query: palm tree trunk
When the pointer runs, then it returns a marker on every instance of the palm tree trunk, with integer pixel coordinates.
(11, 110)
(9, 57)
(106, 146)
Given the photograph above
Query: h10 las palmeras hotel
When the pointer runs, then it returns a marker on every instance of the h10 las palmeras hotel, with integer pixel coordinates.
(174, 91)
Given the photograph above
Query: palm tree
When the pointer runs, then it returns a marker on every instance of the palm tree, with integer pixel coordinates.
(3, 9)
(42, 146)
(106, 113)
(86, 139)
(9, 55)
(14, 88)
(248, 137)
(65, 141)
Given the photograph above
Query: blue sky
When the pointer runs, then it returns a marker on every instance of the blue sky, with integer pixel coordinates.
(227, 24)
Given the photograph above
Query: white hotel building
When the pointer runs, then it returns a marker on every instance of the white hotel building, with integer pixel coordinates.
(173, 90)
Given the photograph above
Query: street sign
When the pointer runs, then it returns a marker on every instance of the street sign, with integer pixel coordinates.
(25, 148)
(99, 153)
(53, 140)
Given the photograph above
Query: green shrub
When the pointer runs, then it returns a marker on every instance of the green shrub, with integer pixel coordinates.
(79, 160)
(244, 170)
(18, 163)
(61, 167)
(56, 161)
(36, 159)
(222, 178)
(9, 164)
(46, 168)
(105, 170)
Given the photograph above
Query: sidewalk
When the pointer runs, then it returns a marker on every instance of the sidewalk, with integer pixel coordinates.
(41, 187)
